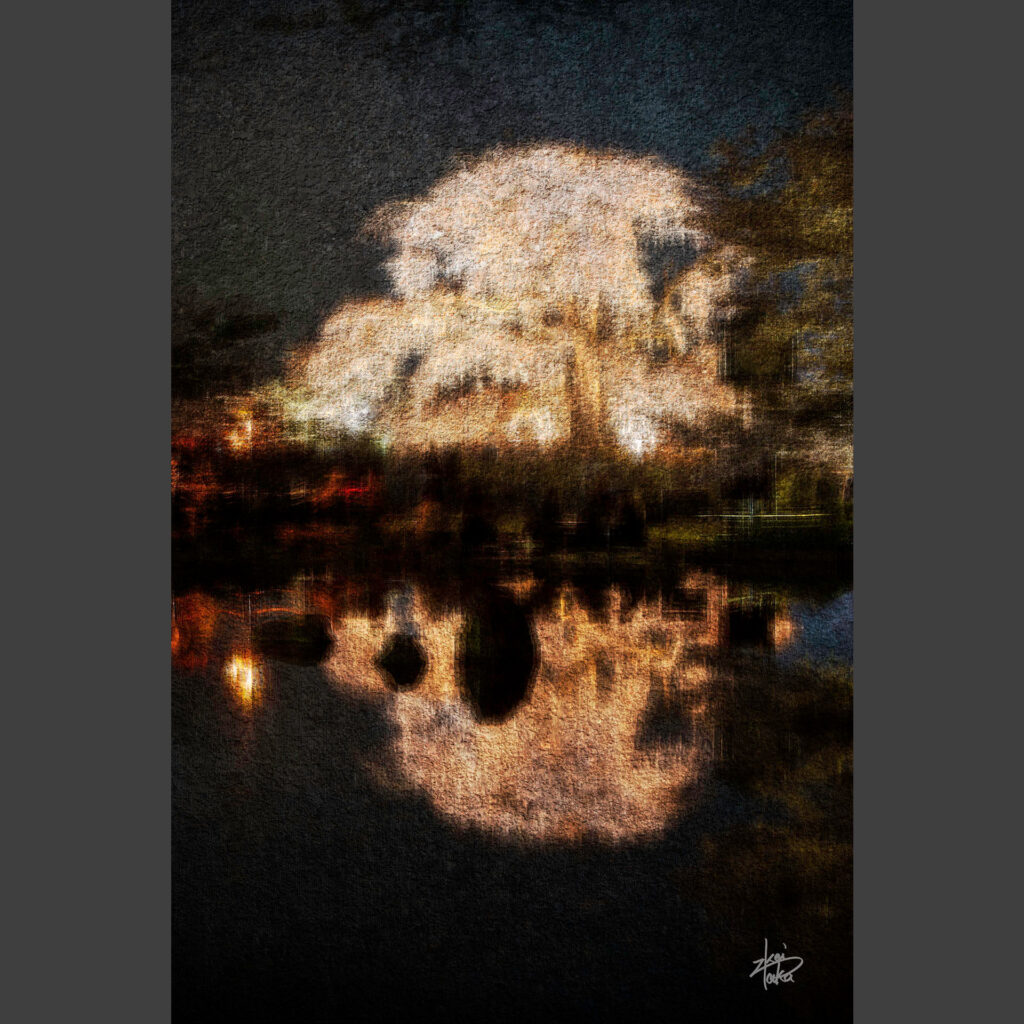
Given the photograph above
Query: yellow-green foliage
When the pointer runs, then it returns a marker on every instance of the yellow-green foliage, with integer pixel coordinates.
(791, 204)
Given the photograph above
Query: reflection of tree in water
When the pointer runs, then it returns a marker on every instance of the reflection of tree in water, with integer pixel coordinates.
(562, 703)
(669, 718)
(401, 661)
(766, 852)
(749, 624)
(496, 657)
(296, 639)
(535, 714)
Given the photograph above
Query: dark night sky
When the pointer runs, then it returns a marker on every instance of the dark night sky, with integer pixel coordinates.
(292, 121)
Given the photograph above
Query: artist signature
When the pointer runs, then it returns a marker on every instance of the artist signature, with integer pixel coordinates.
(772, 968)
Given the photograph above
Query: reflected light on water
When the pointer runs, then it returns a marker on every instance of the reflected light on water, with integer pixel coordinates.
(612, 737)
(583, 721)
(242, 675)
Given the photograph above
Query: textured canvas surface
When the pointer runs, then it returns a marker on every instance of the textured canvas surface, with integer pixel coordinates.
(512, 489)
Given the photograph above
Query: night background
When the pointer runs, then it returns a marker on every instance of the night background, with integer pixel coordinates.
(469, 720)
(293, 121)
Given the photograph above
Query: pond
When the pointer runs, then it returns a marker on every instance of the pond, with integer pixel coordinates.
(600, 780)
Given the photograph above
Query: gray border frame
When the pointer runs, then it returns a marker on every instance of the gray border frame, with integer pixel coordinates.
(927, 893)
(90, 158)
(87, 728)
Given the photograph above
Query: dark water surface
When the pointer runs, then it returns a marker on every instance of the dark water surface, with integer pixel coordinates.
(510, 788)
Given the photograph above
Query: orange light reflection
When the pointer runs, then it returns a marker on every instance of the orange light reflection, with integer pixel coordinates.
(242, 674)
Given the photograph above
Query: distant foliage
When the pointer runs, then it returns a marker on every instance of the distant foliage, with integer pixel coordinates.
(790, 204)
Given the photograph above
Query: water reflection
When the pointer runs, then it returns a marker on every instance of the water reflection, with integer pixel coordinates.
(297, 639)
(584, 747)
(583, 718)
(750, 624)
(496, 656)
(401, 661)
(243, 676)
(524, 707)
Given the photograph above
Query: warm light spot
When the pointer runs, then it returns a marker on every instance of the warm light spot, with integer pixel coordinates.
(242, 675)
(240, 435)
(784, 631)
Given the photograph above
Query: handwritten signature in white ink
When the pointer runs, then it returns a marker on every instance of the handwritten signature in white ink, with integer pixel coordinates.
(772, 968)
